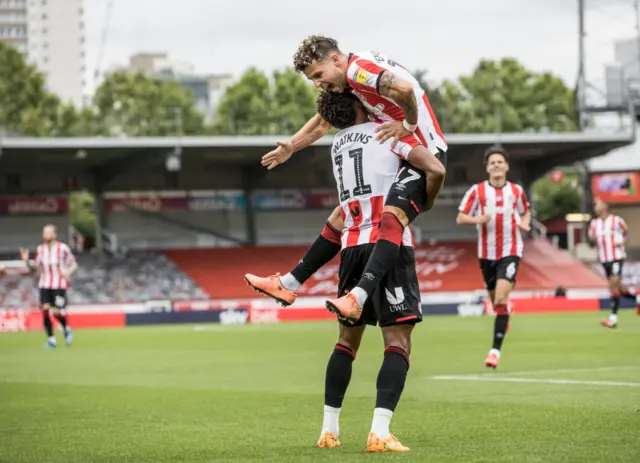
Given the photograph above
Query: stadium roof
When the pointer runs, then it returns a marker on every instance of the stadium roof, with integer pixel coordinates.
(28, 157)
(620, 159)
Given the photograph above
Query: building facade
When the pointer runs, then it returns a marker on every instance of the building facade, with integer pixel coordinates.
(51, 34)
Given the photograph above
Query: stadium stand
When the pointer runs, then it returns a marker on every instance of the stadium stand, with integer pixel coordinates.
(443, 267)
(141, 276)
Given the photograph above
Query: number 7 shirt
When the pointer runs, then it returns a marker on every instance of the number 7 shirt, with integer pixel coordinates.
(365, 171)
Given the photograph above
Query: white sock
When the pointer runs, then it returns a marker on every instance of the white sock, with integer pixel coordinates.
(613, 319)
(331, 420)
(360, 294)
(52, 339)
(495, 351)
(289, 282)
(381, 421)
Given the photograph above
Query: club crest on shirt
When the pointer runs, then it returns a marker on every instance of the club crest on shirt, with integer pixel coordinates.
(361, 76)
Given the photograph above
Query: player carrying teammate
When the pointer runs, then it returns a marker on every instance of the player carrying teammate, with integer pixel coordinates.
(500, 211)
(392, 96)
(395, 304)
(609, 233)
(57, 264)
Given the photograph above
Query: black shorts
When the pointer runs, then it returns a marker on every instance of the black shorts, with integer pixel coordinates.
(396, 300)
(54, 298)
(501, 269)
(409, 191)
(613, 268)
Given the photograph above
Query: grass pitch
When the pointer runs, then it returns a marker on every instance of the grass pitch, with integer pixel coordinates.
(567, 390)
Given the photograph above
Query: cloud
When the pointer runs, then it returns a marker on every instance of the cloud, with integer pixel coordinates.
(447, 38)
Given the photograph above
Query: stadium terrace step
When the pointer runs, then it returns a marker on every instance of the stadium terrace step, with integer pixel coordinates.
(442, 267)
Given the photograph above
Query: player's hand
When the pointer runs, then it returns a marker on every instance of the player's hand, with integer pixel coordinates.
(525, 227)
(484, 218)
(24, 254)
(394, 130)
(278, 156)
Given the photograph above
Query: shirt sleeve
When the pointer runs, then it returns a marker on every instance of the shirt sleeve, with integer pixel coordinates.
(623, 225)
(365, 75)
(405, 145)
(592, 229)
(523, 204)
(469, 203)
(67, 255)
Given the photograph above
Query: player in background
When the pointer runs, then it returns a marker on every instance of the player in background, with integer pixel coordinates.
(500, 211)
(395, 304)
(391, 96)
(609, 233)
(57, 264)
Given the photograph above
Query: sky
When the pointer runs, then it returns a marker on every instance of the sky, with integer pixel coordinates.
(445, 37)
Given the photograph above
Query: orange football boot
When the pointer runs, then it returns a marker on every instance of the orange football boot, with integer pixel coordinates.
(345, 307)
(271, 286)
(389, 444)
(607, 324)
(328, 440)
(492, 361)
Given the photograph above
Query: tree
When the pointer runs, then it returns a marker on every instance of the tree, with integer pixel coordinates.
(26, 107)
(82, 213)
(246, 107)
(137, 104)
(553, 200)
(257, 105)
(294, 99)
(504, 96)
(436, 99)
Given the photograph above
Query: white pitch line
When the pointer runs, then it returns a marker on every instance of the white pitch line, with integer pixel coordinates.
(535, 380)
(551, 372)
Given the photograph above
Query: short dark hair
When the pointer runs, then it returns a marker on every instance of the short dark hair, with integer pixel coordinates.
(338, 109)
(496, 149)
(313, 48)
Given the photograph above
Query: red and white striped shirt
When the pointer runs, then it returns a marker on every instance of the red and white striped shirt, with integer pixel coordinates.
(500, 237)
(609, 234)
(52, 260)
(363, 77)
(365, 170)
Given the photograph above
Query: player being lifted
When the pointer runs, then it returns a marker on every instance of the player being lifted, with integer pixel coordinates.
(393, 97)
(500, 211)
(609, 233)
(57, 264)
(363, 166)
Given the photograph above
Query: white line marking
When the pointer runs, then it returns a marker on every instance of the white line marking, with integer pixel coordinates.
(550, 372)
(535, 380)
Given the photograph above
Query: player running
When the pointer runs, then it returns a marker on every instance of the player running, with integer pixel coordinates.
(609, 233)
(57, 264)
(395, 304)
(393, 97)
(500, 211)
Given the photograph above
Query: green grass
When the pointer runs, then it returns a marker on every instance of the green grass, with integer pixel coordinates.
(255, 393)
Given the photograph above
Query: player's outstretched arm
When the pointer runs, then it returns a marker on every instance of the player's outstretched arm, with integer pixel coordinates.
(466, 219)
(421, 158)
(525, 222)
(71, 269)
(312, 131)
(400, 91)
(24, 255)
(470, 211)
